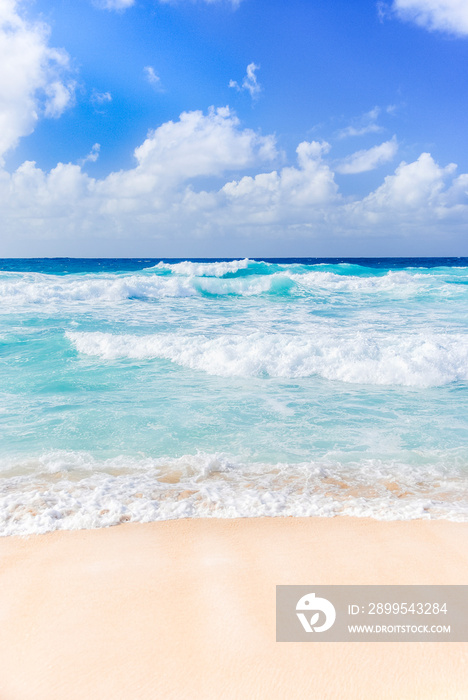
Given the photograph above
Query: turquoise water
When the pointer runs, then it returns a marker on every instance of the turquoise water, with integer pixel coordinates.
(144, 390)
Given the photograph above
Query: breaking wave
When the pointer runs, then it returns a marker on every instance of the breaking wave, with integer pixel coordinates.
(355, 357)
(216, 279)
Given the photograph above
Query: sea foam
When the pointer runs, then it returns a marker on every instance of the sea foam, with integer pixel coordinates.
(90, 493)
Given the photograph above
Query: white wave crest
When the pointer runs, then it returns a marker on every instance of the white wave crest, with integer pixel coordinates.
(39, 289)
(199, 279)
(372, 358)
(46, 289)
(204, 269)
(400, 282)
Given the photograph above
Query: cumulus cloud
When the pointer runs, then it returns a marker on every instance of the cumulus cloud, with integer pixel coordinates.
(199, 144)
(362, 161)
(195, 146)
(35, 78)
(172, 156)
(411, 189)
(189, 184)
(250, 82)
(292, 194)
(152, 77)
(450, 16)
(421, 201)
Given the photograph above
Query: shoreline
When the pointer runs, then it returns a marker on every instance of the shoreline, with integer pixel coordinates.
(186, 609)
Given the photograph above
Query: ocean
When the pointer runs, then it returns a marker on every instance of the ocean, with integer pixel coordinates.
(142, 390)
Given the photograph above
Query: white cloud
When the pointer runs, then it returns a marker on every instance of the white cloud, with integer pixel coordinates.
(413, 188)
(449, 16)
(33, 79)
(362, 161)
(165, 204)
(366, 124)
(172, 155)
(59, 97)
(152, 77)
(197, 145)
(100, 97)
(359, 130)
(118, 5)
(250, 82)
(200, 144)
(285, 196)
(234, 3)
(92, 156)
(421, 200)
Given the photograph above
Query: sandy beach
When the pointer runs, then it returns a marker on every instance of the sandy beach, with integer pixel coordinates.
(186, 609)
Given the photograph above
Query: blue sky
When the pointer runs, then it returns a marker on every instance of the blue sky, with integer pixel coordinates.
(309, 128)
